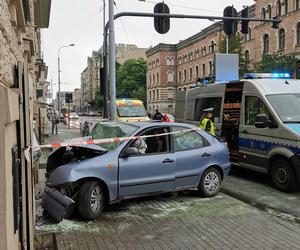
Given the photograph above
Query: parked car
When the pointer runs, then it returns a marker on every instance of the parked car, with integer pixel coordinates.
(92, 176)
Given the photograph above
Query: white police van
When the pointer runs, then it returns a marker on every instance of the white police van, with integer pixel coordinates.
(259, 117)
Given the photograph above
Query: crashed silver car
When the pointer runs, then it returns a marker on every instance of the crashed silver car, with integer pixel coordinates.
(165, 160)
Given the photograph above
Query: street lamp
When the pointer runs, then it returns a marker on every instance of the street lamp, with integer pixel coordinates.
(58, 66)
(55, 72)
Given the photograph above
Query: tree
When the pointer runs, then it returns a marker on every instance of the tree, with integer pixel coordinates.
(235, 47)
(131, 79)
(276, 63)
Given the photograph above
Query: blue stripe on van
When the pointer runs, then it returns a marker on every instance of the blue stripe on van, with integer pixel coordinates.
(264, 146)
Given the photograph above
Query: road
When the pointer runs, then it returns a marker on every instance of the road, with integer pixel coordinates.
(184, 220)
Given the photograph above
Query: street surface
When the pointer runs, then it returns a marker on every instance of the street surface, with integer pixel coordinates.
(184, 220)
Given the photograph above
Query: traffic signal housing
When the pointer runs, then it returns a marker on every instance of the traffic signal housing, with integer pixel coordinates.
(162, 24)
(69, 98)
(230, 26)
(244, 23)
(275, 25)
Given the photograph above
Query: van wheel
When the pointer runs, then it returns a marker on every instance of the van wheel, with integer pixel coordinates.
(91, 199)
(210, 183)
(283, 176)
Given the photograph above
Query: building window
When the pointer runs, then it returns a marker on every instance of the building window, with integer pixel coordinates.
(157, 94)
(281, 39)
(153, 92)
(150, 95)
(204, 50)
(278, 7)
(191, 74)
(184, 75)
(157, 78)
(170, 76)
(210, 67)
(247, 57)
(212, 47)
(298, 33)
(179, 76)
(203, 70)
(297, 4)
(269, 10)
(153, 77)
(196, 72)
(286, 7)
(263, 13)
(266, 41)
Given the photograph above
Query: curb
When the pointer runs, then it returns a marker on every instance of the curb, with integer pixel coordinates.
(253, 201)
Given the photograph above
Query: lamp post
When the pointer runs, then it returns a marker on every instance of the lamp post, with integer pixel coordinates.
(58, 66)
(55, 72)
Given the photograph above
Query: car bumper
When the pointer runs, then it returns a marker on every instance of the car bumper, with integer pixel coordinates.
(226, 168)
(56, 203)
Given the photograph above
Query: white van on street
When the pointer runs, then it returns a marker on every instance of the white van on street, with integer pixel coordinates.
(259, 117)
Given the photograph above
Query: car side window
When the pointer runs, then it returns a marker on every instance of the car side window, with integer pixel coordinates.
(152, 145)
(254, 106)
(186, 140)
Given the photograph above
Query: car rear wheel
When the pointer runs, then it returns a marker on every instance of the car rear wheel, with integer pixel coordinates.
(91, 199)
(283, 176)
(210, 183)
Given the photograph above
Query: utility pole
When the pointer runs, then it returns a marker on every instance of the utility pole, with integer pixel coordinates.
(112, 63)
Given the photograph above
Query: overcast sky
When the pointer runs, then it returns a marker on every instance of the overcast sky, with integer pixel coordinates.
(81, 21)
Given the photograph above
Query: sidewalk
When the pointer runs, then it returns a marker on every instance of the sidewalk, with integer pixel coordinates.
(260, 194)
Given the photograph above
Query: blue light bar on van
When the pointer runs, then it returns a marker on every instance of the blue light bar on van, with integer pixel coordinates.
(267, 75)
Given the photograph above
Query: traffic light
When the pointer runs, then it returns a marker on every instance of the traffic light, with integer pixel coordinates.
(69, 98)
(162, 24)
(244, 23)
(275, 25)
(230, 26)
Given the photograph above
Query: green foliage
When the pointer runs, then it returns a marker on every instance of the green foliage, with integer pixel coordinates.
(131, 79)
(276, 63)
(235, 47)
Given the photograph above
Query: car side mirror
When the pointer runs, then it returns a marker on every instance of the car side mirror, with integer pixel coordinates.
(130, 151)
(262, 121)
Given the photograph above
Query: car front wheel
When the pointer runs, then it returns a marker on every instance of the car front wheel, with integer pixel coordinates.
(91, 200)
(210, 183)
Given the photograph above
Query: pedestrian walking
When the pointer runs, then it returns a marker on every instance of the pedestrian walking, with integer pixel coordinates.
(206, 122)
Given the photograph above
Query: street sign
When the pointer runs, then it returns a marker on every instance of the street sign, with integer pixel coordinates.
(69, 98)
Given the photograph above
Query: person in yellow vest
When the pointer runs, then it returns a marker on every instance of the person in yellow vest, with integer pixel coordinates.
(206, 122)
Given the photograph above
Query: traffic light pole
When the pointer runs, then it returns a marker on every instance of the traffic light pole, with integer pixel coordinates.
(110, 26)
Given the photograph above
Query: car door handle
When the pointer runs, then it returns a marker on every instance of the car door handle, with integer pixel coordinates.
(205, 155)
(167, 160)
(245, 131)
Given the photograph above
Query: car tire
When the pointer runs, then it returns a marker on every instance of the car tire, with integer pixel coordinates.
(91, 199)
(210, 182)
(283, 175)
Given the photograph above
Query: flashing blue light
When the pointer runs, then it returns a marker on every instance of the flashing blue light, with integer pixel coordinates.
(266, 75)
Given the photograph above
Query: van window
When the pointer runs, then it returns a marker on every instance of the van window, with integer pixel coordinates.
(209, 102)
(254, 106)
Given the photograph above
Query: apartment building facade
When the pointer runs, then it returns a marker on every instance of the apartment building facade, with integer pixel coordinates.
(21, 70)
(194, 57)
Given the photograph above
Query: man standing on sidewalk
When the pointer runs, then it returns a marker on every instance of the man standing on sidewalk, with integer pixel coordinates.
(54, 121)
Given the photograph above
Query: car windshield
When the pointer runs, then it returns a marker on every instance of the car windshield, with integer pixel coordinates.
(286, 106)
(112, 130)
(131, 111)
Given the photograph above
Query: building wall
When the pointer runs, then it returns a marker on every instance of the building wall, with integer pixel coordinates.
(19, 73)
(129, 51)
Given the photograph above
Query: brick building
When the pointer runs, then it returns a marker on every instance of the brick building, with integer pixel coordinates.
(179, 66)
(22, 72)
